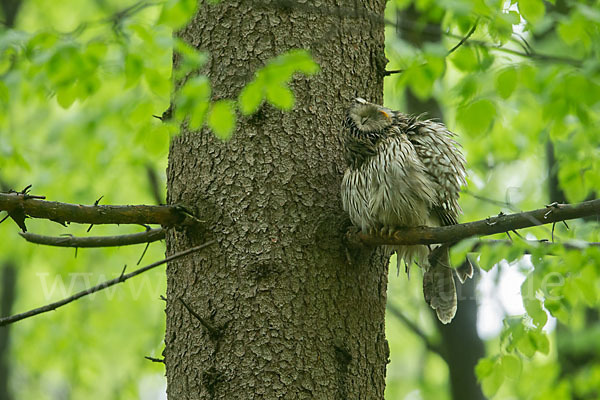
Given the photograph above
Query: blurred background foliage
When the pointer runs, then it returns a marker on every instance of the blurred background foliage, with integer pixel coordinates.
(82, 85)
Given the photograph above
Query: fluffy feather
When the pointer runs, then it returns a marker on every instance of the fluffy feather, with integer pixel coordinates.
(403, 171)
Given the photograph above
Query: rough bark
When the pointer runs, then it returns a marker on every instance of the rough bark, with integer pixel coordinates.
(284, 314)
(8, 282)
(461, 344)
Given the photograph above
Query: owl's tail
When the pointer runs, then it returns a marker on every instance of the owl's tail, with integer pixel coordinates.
(438, 285)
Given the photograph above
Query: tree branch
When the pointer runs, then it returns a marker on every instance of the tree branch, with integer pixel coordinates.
(452, 50)
(23, 205)
(489, 226)
(122, 278)
(464, 39)
(149, 236)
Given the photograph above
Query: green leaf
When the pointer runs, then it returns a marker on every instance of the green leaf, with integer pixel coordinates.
(526, 345)
(484, 368)
(511, 366)
(586, 283)
(177, 13)
(420, 81)
(535, 311)
(492, 383)
(540, 341)
(221, 119)
(134, 66)
(506, 82)
(280, 96)
(64, 64)
(500, 27)
(251, 97)
(476, 117)
(66, 95)
(532, 10)
(272, 79)
(300, 60)
(191, 58)
(557, 309)
(460, 250)
(465, 58)
(198, 114)
(196, 89)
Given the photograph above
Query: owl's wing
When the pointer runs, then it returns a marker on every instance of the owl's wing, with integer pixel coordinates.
(444, 163)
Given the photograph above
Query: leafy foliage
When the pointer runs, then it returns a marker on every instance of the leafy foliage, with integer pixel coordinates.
(526, 78)
(79, 89)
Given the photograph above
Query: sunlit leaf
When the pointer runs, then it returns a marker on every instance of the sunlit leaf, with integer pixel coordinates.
(66, 95)
(280, 96)
(251, 97)
(134, 65)
(476, 117)
(511, 366)
(221, 119)
(506, 82)
(465, 58)
(532, 10)
(176, 13)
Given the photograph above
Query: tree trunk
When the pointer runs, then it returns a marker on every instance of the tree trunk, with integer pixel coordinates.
(288, 316)
(8, 282)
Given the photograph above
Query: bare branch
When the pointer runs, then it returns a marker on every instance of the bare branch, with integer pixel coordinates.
(489, 226)
(148, 236)
(30, 206)
(122, 278)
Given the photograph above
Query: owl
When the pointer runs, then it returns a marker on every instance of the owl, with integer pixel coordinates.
(405, 172)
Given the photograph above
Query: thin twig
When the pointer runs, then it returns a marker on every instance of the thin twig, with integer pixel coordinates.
(143, 253)
(156, 360)
(95, 203)
(464, 39)
(122, 278)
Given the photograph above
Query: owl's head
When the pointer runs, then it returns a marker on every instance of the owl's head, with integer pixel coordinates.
(368, 117)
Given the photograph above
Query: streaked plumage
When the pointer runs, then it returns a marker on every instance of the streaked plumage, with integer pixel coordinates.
(403, 171)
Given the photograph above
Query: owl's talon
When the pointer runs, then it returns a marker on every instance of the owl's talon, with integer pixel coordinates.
(348, 256)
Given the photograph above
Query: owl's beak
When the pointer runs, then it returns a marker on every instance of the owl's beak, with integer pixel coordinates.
(385, 114)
